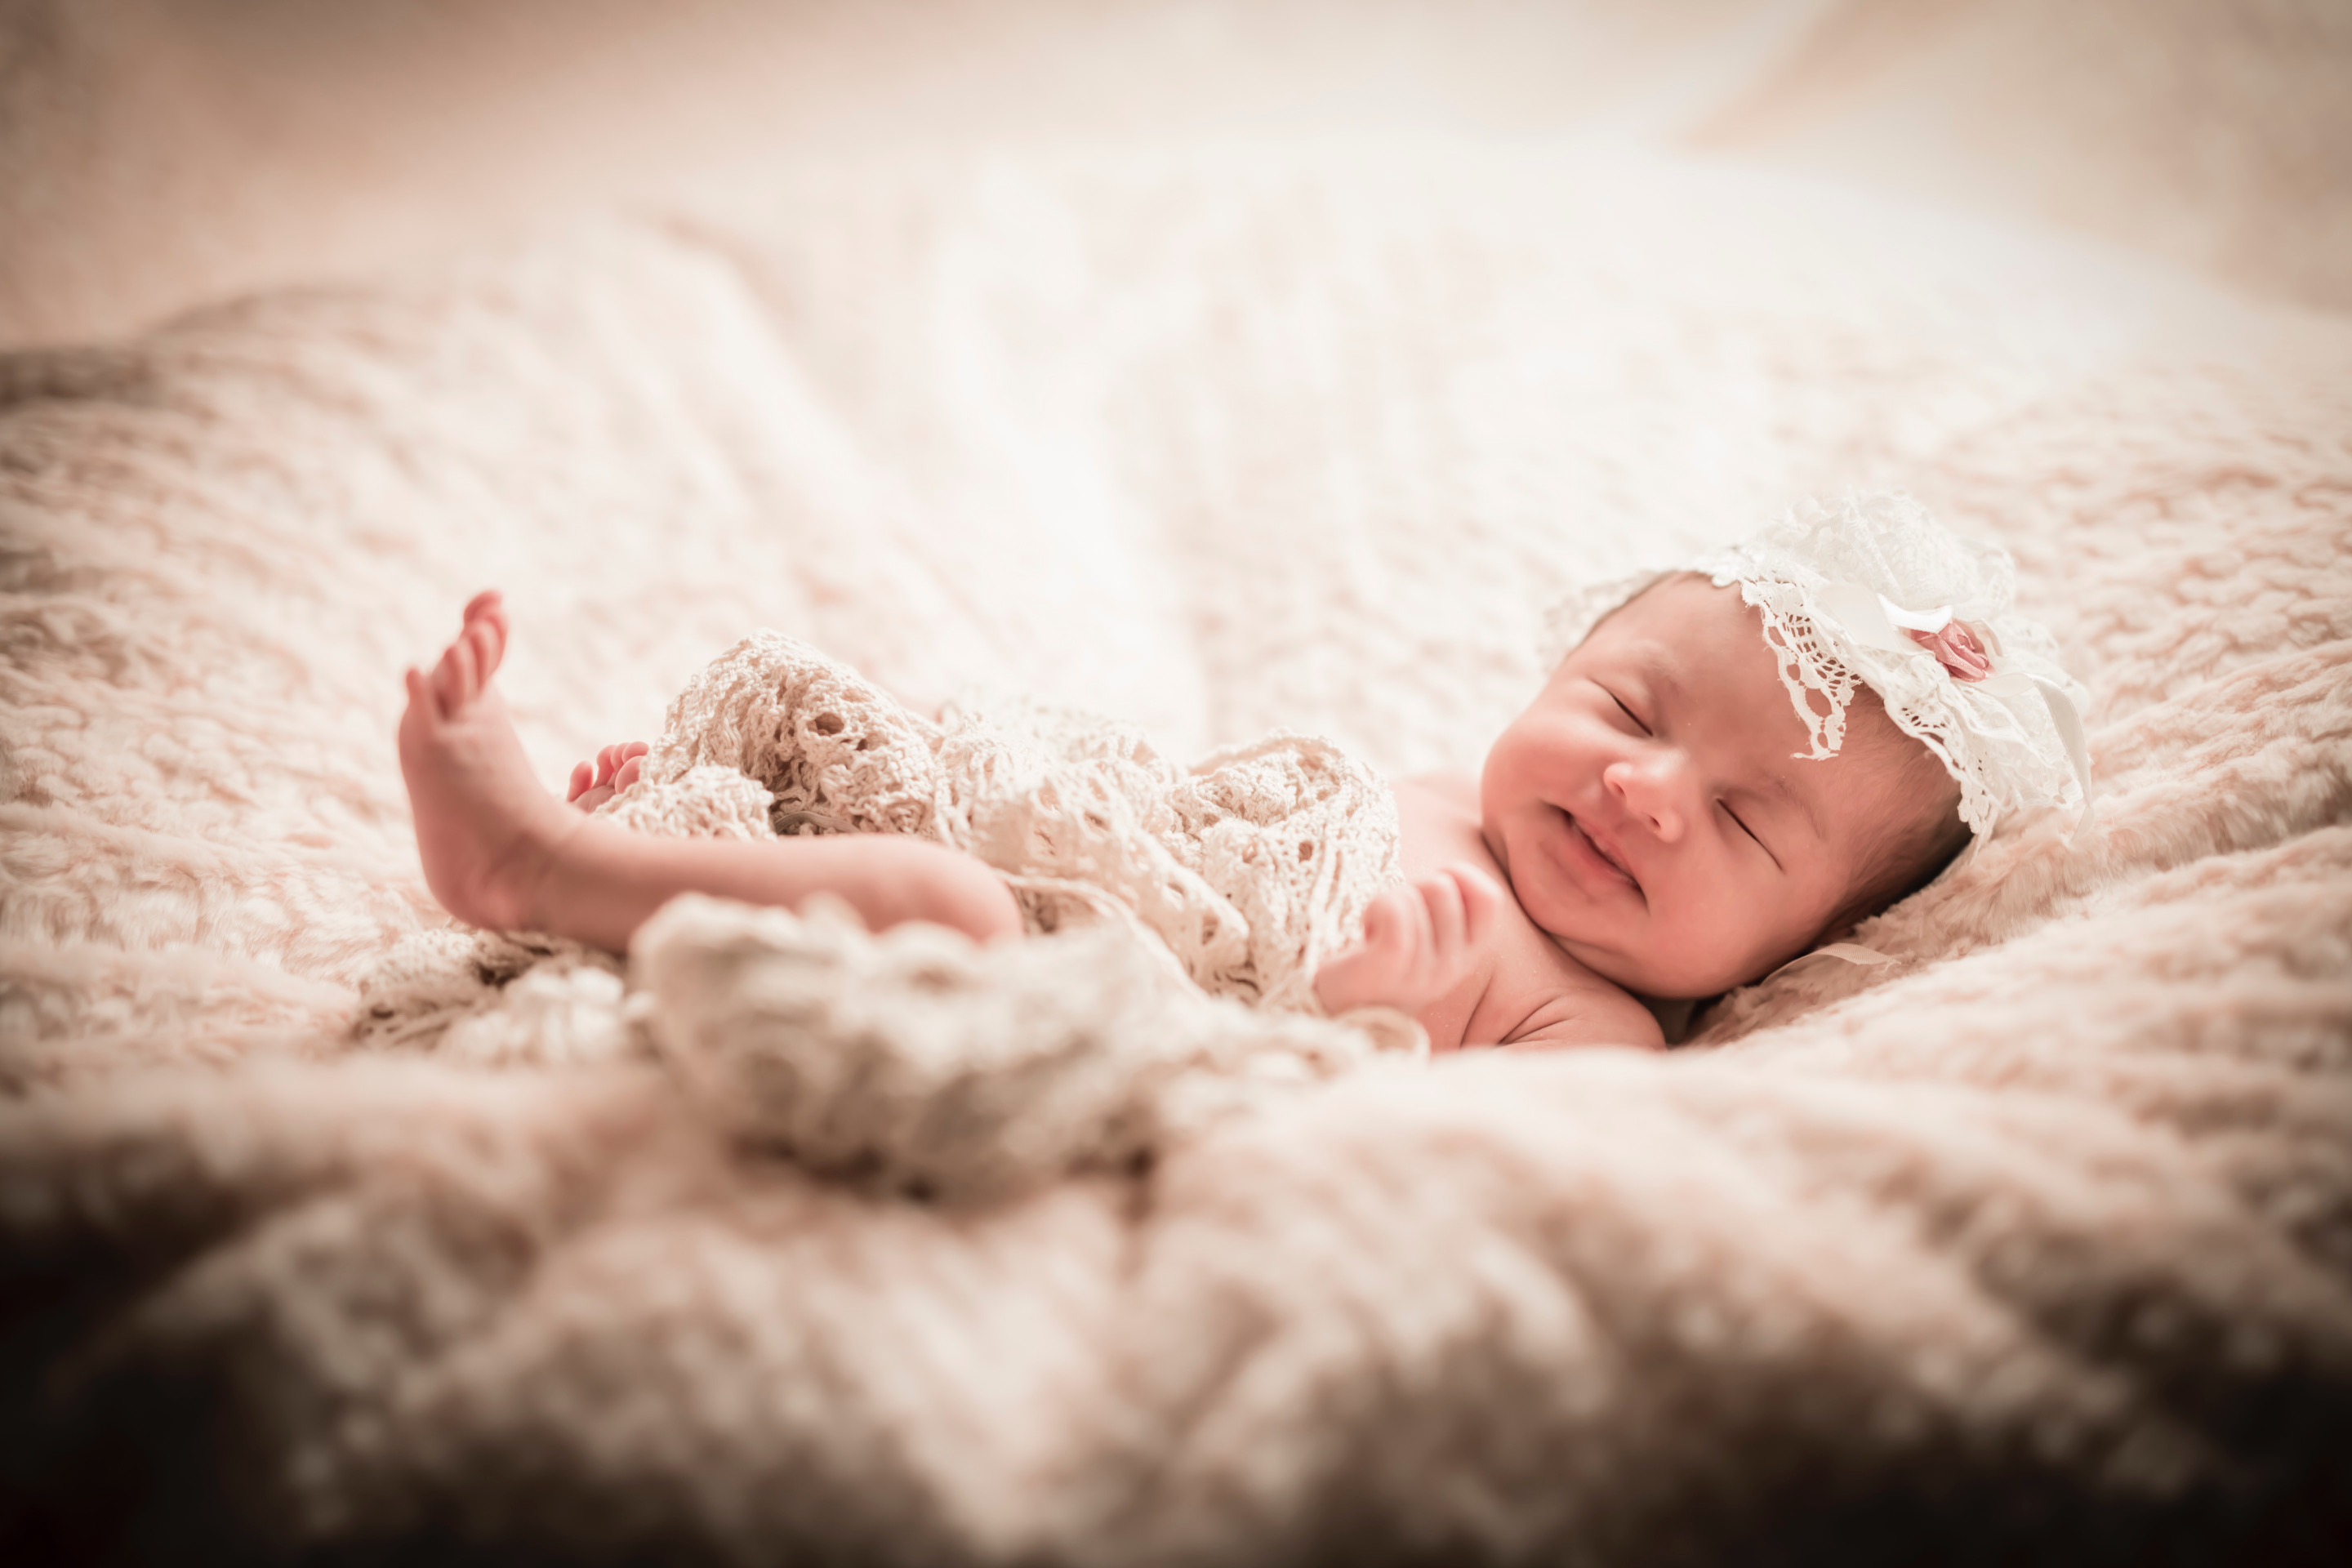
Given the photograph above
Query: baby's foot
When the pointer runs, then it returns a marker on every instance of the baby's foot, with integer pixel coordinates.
(614, 769)
(1420, 943)
(485, 828)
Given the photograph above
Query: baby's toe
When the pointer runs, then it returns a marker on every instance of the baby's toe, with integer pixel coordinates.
(448, 682)
(483, 647)
(488, 635)
(467, 653)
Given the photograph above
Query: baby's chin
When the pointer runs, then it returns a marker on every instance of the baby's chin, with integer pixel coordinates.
(1651, 979)
(1627, 972)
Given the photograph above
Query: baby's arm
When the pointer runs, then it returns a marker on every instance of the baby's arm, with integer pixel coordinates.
(1420, 943)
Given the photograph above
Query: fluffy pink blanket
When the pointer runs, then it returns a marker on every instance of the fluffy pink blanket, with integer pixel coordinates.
(2034, 1244)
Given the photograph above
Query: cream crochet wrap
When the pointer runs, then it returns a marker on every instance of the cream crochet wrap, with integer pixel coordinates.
(1170, 897)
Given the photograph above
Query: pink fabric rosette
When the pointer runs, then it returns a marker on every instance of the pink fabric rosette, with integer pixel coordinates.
(1957, 647)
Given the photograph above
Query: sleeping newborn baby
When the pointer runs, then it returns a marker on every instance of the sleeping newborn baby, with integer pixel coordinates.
(1729, 763)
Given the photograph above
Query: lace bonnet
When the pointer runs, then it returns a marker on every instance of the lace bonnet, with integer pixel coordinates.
(1870, 589)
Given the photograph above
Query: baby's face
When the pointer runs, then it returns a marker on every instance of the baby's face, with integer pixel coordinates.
(1649, 812)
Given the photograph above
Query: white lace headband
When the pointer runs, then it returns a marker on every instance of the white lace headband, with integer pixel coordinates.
(1872, 589)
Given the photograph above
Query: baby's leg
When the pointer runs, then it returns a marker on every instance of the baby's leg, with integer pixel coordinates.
(500, 851)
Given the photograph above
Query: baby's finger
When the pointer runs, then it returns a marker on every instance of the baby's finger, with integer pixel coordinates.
(635, 749)
(1402, 932)
(583, 776)
(628, 774)
(1482, 900)
(1448, 923)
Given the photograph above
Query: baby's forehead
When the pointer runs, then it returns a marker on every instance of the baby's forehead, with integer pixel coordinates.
(1683, 619)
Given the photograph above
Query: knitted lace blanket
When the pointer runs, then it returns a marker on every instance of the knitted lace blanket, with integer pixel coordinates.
(920, 1059)
(1251, 867)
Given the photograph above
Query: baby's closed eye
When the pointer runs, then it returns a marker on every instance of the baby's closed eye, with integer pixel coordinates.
(1622, 707)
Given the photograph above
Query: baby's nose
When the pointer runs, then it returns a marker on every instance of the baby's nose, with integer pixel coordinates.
(1652, 789)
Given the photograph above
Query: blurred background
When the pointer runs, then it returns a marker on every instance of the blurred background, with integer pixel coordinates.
(155, 155)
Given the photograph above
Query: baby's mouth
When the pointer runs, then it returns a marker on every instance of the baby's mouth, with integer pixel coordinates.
(1608, 857)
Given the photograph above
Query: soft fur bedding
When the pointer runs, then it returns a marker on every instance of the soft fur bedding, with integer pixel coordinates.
(2034, 1245)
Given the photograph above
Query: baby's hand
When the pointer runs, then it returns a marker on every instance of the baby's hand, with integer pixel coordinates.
(614, 769)
(1420, 943)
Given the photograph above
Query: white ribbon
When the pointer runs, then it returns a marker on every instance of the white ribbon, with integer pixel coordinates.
(2078, 749)
(1871, 619)
(1849, 952)
(1852, 952)
(2065, 720)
